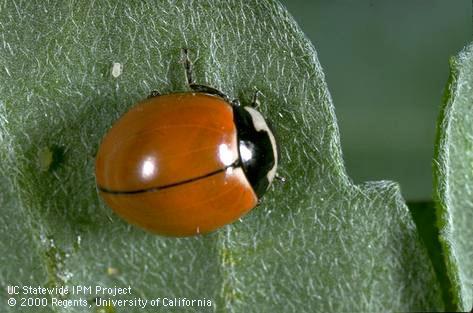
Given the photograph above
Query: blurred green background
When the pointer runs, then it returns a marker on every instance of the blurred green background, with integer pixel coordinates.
(386, 66)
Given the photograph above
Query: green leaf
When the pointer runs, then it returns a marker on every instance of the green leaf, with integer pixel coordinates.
(316, 243)
(453, 173)
(17, 246)
(424, 215)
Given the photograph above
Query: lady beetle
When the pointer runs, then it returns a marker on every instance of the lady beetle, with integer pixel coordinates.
(186, 163)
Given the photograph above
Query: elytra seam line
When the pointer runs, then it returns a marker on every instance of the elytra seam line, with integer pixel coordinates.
(234, 165)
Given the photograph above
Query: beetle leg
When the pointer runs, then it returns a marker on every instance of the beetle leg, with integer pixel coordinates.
(154, 93)
(188, 66)
(209, 90)
(198, 87)
(235, 103)
(255, 102)
(280, 178)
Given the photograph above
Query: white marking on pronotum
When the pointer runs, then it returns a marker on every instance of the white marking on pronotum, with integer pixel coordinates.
(246, 153)
(260, 125)
(117, 69)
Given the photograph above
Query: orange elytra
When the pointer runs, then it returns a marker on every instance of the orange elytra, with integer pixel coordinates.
(186, 163)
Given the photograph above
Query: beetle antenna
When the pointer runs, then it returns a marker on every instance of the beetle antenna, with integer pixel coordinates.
(188, 66)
